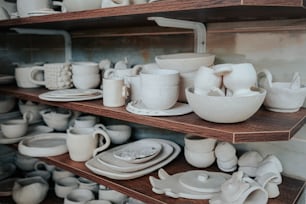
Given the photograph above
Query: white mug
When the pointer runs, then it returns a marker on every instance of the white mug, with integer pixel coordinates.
(22, 76)
(115, 92)
(82, 142)
(24, 7)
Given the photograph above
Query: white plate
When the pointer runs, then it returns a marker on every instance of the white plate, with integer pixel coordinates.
(44, 145)
(33, 130)
(95, 166)
(140, 109)
(6, 79)
(107, 159)
(138, 152)
(71, 95)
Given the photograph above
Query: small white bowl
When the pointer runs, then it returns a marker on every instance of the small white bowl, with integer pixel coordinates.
(224, 109)
(89, 81)
(7, 103)
(199, 159)
(199, 144)
(119, 134)
(14, 128)
(185, 62)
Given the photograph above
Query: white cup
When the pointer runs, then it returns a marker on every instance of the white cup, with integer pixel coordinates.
(56, 76)
(86, 81)
(81, 68)
(58, 174)
(65, 185)
(22, 76)
(24, 7)
(82, 142)
(85, 121)
(79, 196)
(16, 127)
(199, 144)
(115, 92)
(118, 134)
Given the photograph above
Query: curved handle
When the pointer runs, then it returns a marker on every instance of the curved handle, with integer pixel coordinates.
(33, 71)
(136, 69)
(28, 116)
(109, 73)
(58, 3)
(125, 91)
(268, 76)
(106, 137)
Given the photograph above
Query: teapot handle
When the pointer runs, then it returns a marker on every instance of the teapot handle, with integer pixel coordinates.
(268, 76)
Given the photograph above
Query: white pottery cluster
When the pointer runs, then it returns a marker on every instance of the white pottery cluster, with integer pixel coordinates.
(282, 96)
(220, 92)
(199, 152)
(34, 108)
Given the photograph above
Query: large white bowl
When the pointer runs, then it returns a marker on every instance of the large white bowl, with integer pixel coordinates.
(225, 109)
(185, 62)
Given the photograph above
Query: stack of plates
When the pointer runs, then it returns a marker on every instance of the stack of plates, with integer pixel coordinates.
(134, 159)
(71, 95)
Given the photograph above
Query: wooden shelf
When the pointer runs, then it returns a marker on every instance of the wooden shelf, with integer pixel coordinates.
(263, 126)
(140, 188)
(196, 10)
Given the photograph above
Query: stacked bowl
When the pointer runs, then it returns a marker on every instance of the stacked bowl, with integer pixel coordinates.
(199, 151)
(86, 75)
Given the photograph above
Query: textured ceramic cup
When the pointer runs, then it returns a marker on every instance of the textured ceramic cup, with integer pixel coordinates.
(83, 143)
(199, 144)
(118, 134)
(199, 159)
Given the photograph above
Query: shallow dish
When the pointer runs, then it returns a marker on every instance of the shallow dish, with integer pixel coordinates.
(95, 166)
(71, 95)
(137, 107)
(44, 145)
(185, 62)
(106, 158)
(139, 151)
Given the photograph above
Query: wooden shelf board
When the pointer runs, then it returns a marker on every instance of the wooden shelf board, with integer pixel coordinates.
(140, 188)
(136, 15)
(263, 126)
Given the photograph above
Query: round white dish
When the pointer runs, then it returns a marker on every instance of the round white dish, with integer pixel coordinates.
(32, 130)
(44, 145)
(107, 159)
(71, 95)
(139, 151)
(137, 107)
(95, 166)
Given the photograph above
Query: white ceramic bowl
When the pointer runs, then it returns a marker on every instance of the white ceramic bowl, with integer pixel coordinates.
(56, 120)
(119, 134)
(89, 81)
(159, 97)
(159, 77)
(7, 103)
(185, 62)
(65, 185)
(199, 144)
(199, 159)
(14, 128)
(224, 109)
(79, 68)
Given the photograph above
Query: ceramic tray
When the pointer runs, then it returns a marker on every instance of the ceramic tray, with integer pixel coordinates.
(44, 145)
(6, 186)
(71, 95)
(107, 159)
(139, 108)
(138, 152)
(33, 130)
(95, 166)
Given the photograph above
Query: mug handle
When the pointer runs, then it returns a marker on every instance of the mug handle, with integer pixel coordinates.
(125, 91)
(58, 3)
(33, 71)
(28, 116)
(109, 73)
(103, 133)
